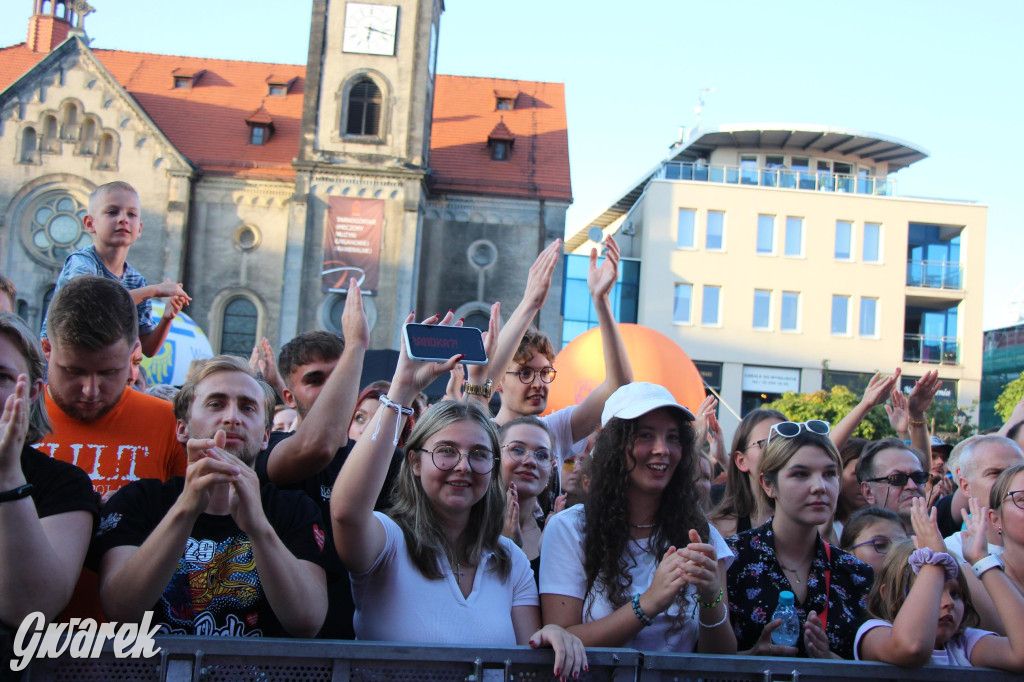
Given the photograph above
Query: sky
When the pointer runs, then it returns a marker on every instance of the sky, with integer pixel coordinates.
(943, 75)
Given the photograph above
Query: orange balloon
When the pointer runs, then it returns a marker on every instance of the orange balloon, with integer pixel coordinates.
(655, 358)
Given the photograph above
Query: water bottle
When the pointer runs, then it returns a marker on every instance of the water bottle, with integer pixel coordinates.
(788, 633)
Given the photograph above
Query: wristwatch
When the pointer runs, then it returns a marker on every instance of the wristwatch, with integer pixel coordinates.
(22, 491)
(986, 564)
(477, 389)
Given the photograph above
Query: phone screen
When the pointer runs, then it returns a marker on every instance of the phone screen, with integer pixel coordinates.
(438, 343)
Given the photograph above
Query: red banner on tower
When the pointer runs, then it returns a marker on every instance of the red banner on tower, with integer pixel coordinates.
(352, 244)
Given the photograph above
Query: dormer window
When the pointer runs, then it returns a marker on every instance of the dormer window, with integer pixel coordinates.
(261, 126)
(186, 79)
(506, 99)
(278, 86)
(500, 142)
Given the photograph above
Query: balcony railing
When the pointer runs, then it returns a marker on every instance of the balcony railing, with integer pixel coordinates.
(931, 350)
(934, 274)
(786, 178)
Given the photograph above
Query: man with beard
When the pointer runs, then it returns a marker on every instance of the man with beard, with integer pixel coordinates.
(115, 434)
(213, 553)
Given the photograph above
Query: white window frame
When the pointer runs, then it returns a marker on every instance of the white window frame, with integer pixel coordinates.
(860, 319)
(753, 321)
(782, 308)
(832, 315)
(693, 236)
(718, 312)
(689, 312)
(853, 242)
(881, 242)
(757, 234)
(707, 216)
(786, 240)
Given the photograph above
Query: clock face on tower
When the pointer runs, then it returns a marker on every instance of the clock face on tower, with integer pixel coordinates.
(370, 29)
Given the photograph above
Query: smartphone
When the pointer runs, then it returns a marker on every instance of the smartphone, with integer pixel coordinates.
(437, 343)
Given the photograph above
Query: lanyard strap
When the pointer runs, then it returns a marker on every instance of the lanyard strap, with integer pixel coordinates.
(828, 586)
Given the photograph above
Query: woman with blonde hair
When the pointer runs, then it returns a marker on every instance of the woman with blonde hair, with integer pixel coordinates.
(436, 568)
(799, 478)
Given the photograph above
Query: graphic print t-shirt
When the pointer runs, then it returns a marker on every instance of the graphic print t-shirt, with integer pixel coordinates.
(215, 589)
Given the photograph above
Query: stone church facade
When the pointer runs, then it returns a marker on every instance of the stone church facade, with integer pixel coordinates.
(243, 169)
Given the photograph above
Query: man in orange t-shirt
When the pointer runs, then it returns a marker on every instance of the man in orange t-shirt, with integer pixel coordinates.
(113, 433)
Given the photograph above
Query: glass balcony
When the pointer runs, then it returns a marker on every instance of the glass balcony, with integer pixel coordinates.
(786, 178)
(931, 350)
(934, 274)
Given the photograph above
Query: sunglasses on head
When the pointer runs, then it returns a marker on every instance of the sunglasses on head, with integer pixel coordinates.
(793, 429)
(900, 478)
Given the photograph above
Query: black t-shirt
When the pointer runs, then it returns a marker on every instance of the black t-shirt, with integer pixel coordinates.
(340, 607)
(58, 487)
(944, 516)
(215, 589)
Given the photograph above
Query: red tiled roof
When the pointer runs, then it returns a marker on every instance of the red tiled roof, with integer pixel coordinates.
(260, 116)
(465, 113)
(207, 123)
(501, 132)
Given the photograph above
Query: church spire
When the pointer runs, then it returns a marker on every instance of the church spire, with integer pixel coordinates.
(53, 21)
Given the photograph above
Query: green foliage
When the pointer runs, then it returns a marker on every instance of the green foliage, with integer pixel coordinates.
(1011, 395)
(832, 406)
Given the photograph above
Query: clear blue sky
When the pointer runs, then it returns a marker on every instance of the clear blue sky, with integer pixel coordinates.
(942, 74)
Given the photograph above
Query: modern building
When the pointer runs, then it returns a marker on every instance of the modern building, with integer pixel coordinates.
(1002, 362)
(781, 258)
(265, 186)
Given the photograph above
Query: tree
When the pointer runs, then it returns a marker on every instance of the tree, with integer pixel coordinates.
(1011, 395)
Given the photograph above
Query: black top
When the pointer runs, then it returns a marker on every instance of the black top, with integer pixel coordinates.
(59, 487)
(340, 607)
(215, 589)
(756, 579)
(944, 516)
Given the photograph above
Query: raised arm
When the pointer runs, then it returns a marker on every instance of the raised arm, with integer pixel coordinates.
(324, 429)
(877, 392)
(40, 559)
(618, 372)
(918, 402)
(358, 535)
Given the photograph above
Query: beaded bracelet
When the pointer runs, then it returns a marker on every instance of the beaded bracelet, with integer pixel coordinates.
(725, 616)
(712, 604)
(387, 402)
(644, 618)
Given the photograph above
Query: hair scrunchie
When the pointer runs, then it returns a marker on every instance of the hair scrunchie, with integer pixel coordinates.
(925, 555)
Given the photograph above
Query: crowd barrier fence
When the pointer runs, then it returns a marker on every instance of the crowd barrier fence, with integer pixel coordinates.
(223, 659)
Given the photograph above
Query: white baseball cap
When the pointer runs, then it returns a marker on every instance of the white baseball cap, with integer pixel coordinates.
(639, 398)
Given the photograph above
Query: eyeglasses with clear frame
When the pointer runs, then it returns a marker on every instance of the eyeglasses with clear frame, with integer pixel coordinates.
(526, 374)
(518, 452)
(880, 545)
(900, 478)
(1017, 497)
(447, 457)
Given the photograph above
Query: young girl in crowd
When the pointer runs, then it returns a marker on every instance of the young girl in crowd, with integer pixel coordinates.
(526, 473)
(737, 511)
(1007, 505)
(869, 534)
(436, 568)
(799, 479)
(637, 565)
(921, 604)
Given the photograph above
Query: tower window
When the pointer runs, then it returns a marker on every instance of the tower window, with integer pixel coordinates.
(499, 150)
(505, 103)
(257, 135)
(364, 109)
(183, 81)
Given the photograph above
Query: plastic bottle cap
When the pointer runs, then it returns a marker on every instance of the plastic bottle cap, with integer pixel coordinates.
(786, 598)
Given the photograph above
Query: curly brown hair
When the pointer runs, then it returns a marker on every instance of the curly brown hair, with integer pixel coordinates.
(606, 510)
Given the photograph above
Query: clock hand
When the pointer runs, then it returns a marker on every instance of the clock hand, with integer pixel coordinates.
(384, 33)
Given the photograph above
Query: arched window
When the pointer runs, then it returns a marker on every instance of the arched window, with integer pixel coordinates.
(47, 297)
(88, 146)
(107, 157)
(238, 334)
(69, 129)
(50, 141)
(364, 108)
(28, 145)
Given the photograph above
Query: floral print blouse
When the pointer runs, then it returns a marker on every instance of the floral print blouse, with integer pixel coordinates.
(755, 580)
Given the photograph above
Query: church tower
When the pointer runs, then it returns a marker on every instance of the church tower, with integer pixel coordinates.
(53, 21)
(362, 163)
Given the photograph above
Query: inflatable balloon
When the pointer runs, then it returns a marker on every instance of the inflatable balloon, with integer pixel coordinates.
(185, 342)
(655, 358)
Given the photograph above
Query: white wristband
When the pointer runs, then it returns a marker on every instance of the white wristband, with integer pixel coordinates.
(986, 564)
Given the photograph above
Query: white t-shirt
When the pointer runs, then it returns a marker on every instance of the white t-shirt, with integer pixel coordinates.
(396, 603)
(955, 547)
(956, 652)
(560, 423)
(561, 572)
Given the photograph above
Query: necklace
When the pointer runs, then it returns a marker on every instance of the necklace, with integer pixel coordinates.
(792, 571)
(457, 572)
(643, 526)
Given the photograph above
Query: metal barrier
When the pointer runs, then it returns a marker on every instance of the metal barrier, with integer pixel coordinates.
(224, 659)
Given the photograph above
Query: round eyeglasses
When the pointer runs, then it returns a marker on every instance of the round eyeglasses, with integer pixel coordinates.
(526, 374)
(518, 452)
(447, 457)
(793, 429)
(1017, 497)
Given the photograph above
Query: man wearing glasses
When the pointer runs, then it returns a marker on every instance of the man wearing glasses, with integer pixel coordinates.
(891, 475)
(981, 462)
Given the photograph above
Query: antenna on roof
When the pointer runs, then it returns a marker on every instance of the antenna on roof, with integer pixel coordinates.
(699, 109)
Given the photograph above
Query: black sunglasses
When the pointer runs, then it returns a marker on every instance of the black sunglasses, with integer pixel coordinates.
(899, 479)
